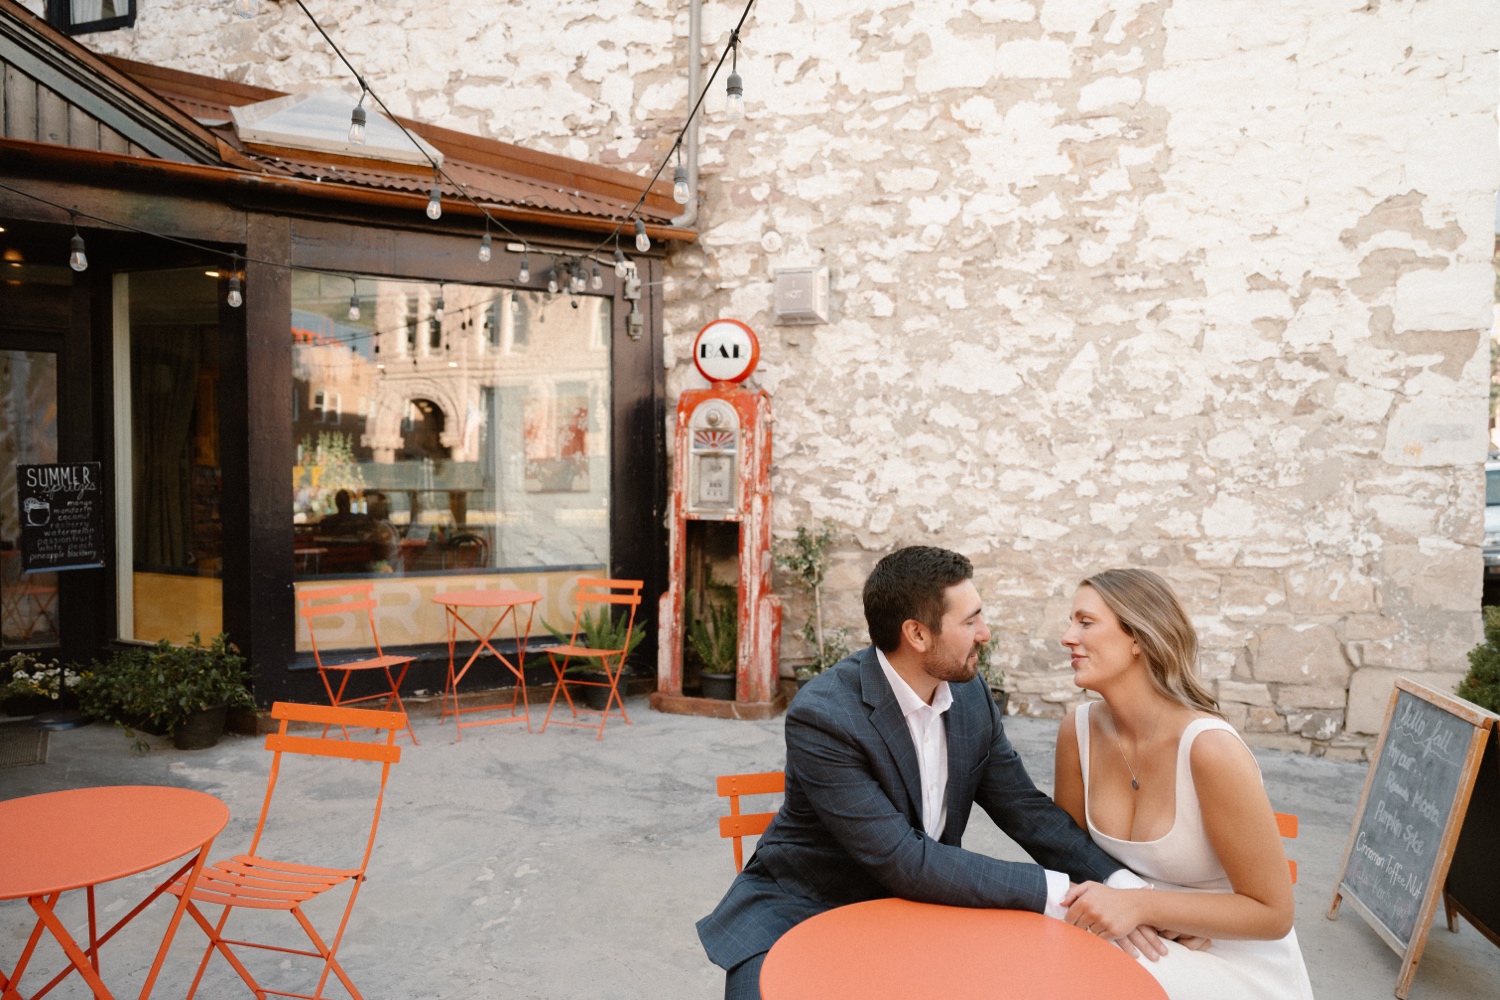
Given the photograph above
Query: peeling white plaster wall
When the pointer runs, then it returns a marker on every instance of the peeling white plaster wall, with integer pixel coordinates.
(1197, 285)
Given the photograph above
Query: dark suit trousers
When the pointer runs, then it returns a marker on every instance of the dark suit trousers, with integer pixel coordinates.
(743, 981)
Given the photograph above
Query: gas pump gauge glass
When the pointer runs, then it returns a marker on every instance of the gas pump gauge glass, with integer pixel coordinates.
(715, 460)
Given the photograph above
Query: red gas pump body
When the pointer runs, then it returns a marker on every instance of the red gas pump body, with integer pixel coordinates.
(722, 472)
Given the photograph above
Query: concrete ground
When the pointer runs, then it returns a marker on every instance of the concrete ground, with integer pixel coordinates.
(555, 866)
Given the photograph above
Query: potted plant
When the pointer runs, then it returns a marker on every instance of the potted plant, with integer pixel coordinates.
(181, 691)
(1482, 684)
(805, 558)
(993, 676)
(715, 637)
(35, 686)
(598, 630)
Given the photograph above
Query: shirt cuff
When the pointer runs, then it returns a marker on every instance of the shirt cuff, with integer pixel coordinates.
(1057, 888)
(1126, 879)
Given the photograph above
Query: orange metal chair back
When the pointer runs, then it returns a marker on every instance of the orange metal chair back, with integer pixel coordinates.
(281, 742)
(592, 595)
(1286, 825)
(739, 825)
(325, 602)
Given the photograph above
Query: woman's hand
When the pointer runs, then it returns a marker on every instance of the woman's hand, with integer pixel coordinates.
(1188, 941)
(1110, 913)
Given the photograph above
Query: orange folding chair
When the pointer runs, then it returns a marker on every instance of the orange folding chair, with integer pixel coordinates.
(737, 825)
(597, 593)
(253, 882)
(327, 602)
(1286, 825)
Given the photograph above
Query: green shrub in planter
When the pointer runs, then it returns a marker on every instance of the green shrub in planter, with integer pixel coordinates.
(1482, 685)
(599, 630)
(157, 687)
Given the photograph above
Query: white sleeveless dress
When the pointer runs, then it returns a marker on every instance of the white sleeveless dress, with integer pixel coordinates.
(1183, 860)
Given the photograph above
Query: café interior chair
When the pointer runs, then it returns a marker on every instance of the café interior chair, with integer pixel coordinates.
(595, 593)
(329, 602)
(250, 881)
(737, 825)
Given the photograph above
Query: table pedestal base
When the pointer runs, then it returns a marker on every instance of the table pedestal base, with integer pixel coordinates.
(715, 708)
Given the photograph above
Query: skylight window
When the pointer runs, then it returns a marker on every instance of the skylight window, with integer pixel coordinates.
(320, 122)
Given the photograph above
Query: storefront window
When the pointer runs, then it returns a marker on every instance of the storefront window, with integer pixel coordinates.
(167, 436)
(28, 436)
(450, 437)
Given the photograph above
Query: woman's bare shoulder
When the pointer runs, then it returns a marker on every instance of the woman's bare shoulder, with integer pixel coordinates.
(1219, 754)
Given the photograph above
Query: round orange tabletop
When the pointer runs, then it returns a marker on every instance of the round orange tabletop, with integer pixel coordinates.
(487, 598)
(84, 836)
(897, 949)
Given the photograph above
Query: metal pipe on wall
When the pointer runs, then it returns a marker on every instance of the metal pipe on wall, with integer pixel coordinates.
(689, 217)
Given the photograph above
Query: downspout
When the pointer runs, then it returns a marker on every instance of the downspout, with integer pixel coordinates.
(689, 217)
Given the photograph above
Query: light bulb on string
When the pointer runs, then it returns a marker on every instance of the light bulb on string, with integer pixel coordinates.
(578, 282)
(642, 241)
(246, 8)
(515, 303)
(680, 192)
(435, 202)
(484, 248)
(78, 260)
(354, 308)
(235, 298)
(552, 281)
(734, 103)
(437, 309)
(357, 123)
(524, 276)
(596, 280)
(621, 268)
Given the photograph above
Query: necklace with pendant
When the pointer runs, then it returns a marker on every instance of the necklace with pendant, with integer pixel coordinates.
(1134, 783)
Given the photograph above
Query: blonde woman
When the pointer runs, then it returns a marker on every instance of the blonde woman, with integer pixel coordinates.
(1164, 785)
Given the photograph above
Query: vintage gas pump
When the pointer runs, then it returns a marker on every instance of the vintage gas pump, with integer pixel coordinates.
(721, 526)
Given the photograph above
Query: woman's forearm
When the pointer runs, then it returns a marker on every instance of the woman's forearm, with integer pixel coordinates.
(1220, 915)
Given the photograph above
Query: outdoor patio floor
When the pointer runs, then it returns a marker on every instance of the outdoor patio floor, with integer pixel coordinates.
(555, 866)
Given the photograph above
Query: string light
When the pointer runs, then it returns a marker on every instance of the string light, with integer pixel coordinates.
(552, 285)
(246, 8)
(437, 309)
(357, 121)
(642, 241)
(484, 248)
(524, 276)
(77, 259)
(435, 202)
(596, 280)
(235, 298)
(515, 303)
(579, 281)
(354, 307)
(680, 192)
(734, 87)
(621, 268)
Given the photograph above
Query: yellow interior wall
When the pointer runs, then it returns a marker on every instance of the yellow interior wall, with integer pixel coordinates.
(173, 607)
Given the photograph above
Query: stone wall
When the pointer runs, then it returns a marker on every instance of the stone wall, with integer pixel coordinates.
(1196, 285)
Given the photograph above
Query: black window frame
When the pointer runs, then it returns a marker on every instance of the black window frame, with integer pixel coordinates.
(60, 16)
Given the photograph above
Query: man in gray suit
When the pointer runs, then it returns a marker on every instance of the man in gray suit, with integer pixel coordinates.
(886, 753)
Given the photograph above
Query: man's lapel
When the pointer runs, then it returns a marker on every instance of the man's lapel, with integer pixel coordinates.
(888, 721)
(965, 747)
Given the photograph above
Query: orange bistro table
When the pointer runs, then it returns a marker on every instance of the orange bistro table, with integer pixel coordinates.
(894, 949)
(508, 602)
(79, 838)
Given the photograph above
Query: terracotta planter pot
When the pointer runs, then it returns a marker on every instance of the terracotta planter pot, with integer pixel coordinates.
(201, 729)
(720, 686)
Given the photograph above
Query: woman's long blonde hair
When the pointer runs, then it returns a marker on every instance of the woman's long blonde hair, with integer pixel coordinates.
(1151, 614)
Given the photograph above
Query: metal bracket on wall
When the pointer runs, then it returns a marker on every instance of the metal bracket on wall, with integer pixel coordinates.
(635, 323)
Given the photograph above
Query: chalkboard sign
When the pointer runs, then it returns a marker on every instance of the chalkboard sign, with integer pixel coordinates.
(1473, 886)
(1409, 817)
(62, 516)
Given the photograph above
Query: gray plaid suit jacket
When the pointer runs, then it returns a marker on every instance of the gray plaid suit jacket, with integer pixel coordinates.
(850, 828)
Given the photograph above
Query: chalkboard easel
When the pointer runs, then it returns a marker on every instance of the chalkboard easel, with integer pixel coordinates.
(1420, 835)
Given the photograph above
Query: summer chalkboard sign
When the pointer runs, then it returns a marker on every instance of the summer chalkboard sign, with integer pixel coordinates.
(62, 516)
(1415, 800)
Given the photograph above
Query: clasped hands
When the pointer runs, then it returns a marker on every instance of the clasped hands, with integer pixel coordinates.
(1118, 915)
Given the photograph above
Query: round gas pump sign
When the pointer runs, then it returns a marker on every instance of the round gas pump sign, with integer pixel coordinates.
(726, 350)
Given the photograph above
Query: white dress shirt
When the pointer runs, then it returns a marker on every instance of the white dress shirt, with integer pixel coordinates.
(929, 735)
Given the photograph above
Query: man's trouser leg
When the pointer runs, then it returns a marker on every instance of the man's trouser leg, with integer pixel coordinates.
(743, 981)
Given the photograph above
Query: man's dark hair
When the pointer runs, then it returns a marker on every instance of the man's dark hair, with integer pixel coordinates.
(910, 583)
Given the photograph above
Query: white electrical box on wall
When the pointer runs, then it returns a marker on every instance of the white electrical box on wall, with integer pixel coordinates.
(801, 295)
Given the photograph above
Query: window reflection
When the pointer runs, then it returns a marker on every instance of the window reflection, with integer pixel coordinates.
(471, 442)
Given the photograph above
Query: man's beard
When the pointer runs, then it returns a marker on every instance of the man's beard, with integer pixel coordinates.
(935, 665)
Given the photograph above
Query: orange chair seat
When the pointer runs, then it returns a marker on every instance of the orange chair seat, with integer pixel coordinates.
(263, 884)
(588, 651)
(375, 663)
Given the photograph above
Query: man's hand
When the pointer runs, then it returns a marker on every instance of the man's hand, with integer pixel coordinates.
(1188, 941)
(1143, 941)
